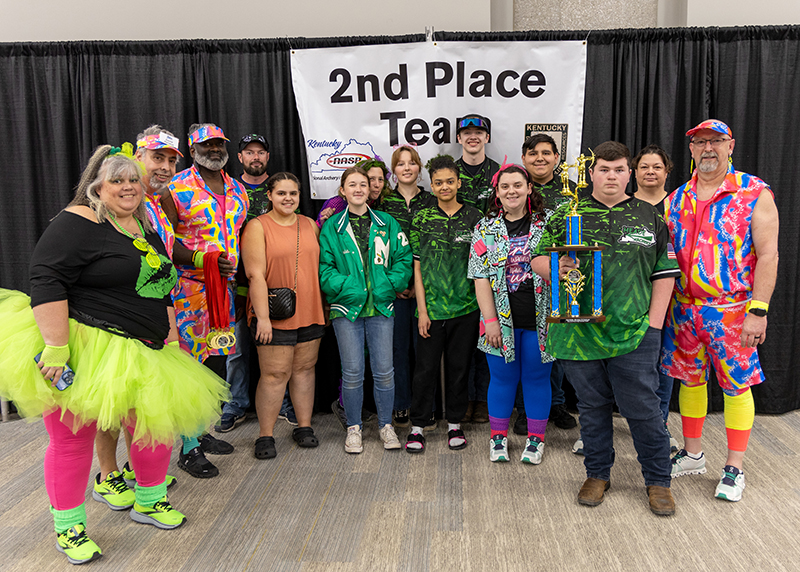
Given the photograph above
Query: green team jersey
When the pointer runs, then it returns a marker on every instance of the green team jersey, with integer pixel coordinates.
(476, 189)
(551, 193)
(395, 205)
(441, 244)
(637, 251)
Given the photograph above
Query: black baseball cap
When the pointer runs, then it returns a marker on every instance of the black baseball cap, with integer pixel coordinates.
(253, 138)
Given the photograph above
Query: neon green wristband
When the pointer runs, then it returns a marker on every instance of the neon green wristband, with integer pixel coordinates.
(197, 259)
(174, 343)
(55, 356)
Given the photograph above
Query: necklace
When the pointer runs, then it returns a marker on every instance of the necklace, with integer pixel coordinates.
(152, 258)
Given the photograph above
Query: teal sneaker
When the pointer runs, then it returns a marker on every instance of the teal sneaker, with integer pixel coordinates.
(534, 449)
(160, 515)
(130, 477)
(731, 485)
(684, 464)
(498, 449)
(113, 491)
(77, 546)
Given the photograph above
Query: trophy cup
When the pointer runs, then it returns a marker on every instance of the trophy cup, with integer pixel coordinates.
(575, 281)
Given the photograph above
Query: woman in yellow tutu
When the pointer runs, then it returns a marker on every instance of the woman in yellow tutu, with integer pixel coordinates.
(100, 307)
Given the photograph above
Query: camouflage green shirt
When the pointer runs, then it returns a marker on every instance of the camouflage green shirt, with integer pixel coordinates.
(637, 251)
(551, 193)
(476, 189)
(259, 203)
(395, 205)
(441, 244)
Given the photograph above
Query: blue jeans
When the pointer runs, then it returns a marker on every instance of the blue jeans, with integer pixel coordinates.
(350, 337)
(664, 393)
(405, 334)
(632, 380)
(239, 371)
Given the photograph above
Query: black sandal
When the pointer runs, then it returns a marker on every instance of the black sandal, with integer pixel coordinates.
(304, 437)
(265, 448)
(415, 438)
(453, 434)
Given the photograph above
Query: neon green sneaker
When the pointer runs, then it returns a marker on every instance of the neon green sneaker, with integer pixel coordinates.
(78, 547)
(130, 477)
(113, 491)
(160, 515)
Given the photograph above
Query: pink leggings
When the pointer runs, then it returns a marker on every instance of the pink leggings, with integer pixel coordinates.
(68, 461)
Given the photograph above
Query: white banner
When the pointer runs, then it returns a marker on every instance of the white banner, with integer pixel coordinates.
(358, 102)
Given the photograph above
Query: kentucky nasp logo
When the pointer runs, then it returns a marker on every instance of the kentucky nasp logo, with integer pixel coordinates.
(639, 235)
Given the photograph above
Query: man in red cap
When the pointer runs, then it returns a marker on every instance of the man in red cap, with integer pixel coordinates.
(724, 224)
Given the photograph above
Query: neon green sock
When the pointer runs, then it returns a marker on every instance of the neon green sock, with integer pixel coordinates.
(66, 519)
(189, 443)
(148, 496)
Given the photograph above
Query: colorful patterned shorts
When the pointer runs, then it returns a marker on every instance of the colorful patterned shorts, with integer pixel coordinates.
(695, 335)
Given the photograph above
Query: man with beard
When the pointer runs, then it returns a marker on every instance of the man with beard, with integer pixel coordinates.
(254, 156)
(725, 227)
(207, 210)
(157, 150)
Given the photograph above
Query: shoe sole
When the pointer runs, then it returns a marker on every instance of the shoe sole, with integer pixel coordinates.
(700, 471)
(145, 519)
(662, 512)
(289, 421)
(530, 461)
(392, 446)
(723, 496)
(71, 560)
(100, 498)
(354, 450)
(405, 423)
(500, 459)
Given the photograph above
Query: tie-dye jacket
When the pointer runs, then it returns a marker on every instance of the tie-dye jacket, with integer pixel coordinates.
(717, 259)
(487, 259)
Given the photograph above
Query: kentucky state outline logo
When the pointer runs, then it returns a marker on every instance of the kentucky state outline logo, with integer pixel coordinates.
(639, 235)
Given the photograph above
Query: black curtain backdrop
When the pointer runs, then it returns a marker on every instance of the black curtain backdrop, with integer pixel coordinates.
(58, 101)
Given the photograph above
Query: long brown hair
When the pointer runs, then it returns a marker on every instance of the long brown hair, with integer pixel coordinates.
(535, 200)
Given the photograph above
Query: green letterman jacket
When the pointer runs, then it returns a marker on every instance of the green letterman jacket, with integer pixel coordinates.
(341, 269)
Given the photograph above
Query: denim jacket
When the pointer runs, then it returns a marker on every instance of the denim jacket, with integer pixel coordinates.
(487, 259)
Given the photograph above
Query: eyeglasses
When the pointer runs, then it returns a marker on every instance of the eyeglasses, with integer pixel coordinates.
(701, 143)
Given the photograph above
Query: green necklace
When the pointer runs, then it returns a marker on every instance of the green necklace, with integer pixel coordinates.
(152, 258)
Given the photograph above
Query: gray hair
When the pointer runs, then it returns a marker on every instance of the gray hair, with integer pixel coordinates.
(103, 167)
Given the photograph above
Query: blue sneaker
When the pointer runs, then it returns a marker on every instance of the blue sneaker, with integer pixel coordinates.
(228, 422)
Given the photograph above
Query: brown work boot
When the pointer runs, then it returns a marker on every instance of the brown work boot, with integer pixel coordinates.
(481, 412)
(661, 501)
(468, 415)
(591, 493)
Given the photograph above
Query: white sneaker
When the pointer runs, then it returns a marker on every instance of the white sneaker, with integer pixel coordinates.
(498, 449)
(389, 437)
(683, 464)
(577, 448)
(352, 444)
(731, 484)
(534, 449)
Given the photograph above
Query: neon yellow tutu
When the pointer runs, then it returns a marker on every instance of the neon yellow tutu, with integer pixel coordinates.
(116, 378)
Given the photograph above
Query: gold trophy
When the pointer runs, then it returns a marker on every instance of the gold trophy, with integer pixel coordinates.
(575, 281)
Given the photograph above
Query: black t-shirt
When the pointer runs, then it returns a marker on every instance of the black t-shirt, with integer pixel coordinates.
(104, 277)
(519, 276)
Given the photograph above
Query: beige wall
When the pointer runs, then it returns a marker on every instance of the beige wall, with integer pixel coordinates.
(584, 14)
(742, 12)
(63, 20)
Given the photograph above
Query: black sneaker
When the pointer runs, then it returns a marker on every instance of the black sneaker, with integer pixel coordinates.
(288, 416)
(228, 422)
(521, 424)
(213, 446)
(561, 417)
(402, 418)
(195, 463)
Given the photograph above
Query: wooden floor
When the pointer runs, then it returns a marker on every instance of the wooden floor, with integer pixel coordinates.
(324, 510)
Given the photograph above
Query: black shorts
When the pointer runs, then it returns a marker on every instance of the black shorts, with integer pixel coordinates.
(288, 337)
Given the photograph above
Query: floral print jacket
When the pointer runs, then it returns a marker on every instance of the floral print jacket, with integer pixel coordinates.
(487, 259)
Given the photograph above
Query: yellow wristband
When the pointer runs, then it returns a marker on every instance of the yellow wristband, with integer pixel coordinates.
(758, 305)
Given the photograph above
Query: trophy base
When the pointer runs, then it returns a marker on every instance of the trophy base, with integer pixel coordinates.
(575, 319)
